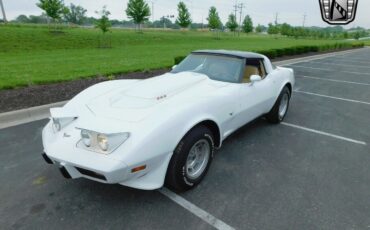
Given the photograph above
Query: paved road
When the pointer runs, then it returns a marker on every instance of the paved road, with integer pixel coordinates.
(313, 172)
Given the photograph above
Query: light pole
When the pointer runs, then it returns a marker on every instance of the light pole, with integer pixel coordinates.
(153, 10)
(304, 19)
(241, 6)
(3, 10)
(276, 18)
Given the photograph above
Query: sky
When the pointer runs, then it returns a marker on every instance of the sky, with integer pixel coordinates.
(261, 11)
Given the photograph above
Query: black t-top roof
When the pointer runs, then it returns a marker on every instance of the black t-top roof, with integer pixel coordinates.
(238, 54)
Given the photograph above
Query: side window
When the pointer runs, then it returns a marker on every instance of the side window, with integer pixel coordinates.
(262, 69)
(254, 67)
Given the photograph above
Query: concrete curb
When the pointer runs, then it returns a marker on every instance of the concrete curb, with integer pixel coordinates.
(314, 57)
(22, 116)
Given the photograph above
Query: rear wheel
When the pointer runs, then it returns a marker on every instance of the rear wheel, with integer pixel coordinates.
(191, 159)
(280, 109)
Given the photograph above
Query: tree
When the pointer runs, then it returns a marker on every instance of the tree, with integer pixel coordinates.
(286, 29)
(75, 14)
(231, 24)
(42, 19)
(22, 19)
(90, 21)
(247, 24)
(138, 11)
(214, 21)
(53, 8)
(164, 21)
(357, 35)
(103, 22)
(259, 28)
(273, 29)
(183, 19)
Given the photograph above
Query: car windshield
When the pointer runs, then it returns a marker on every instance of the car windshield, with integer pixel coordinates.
(216, 67)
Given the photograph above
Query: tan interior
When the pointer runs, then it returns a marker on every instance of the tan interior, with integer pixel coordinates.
(249, 71)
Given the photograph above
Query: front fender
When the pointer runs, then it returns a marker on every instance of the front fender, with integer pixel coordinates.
(187, 118)
(156, 139)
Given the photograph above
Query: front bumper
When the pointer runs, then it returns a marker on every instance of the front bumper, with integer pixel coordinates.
(73, 170)
(82, 171)
(60, 149)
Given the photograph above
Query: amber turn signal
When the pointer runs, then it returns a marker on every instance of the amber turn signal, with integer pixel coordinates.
(139, 168)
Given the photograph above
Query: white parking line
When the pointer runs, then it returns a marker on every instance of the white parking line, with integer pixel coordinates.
(324, 133)
(213, 221)
(350, 61)
(334, 80)
(329, 63)
(307, 67)
(331, 97)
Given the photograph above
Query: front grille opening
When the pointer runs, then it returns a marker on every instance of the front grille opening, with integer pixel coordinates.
(91, 173)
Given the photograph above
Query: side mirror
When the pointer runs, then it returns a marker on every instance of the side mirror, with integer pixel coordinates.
(255, 78)
(174, 66)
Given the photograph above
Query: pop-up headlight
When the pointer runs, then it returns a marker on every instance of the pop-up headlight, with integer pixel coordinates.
(61, 118)
(60, 123)
(101, 143)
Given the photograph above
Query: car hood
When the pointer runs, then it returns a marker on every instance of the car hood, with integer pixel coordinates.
(144, 97)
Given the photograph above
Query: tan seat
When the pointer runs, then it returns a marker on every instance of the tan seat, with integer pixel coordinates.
(249, 71)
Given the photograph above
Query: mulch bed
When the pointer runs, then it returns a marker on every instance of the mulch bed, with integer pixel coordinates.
(21, 98)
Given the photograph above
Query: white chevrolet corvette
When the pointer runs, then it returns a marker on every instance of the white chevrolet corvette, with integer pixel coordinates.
(164, 130)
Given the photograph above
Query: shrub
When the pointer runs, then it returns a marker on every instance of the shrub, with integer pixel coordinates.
(314, 49)
(324, 47)
(280, 52)
(307, 49)
(179, 59)
(269, 53)
(296, 50)
(290, 51)
(358, 45)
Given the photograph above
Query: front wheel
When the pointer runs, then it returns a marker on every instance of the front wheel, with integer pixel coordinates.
(191, 159)
(280, 109)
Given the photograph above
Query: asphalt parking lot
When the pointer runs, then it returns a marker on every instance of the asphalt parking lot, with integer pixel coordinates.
(311, 172)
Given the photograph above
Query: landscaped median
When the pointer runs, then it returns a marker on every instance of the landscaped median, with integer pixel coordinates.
(35, 95)
(298, 50)
(34, 56)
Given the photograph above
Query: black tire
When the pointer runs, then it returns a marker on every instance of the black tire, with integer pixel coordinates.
(177, 177)
(274, 116)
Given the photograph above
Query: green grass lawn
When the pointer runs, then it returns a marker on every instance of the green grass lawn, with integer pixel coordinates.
(33, 55)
